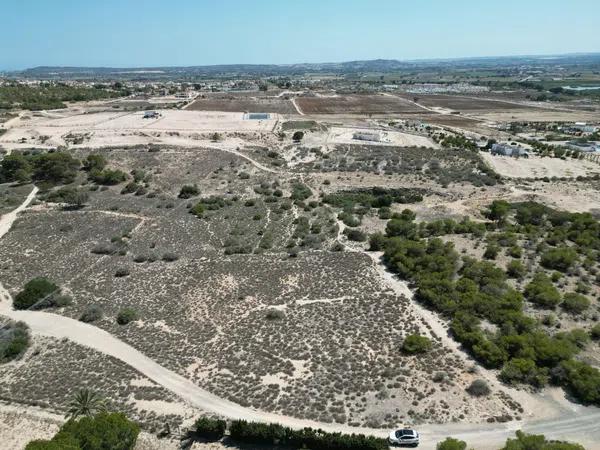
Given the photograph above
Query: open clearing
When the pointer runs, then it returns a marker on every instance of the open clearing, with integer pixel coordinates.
(537, 167)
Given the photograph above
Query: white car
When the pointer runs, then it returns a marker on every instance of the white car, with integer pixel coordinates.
(404, 437)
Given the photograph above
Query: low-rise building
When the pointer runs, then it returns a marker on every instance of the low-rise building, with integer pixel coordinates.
(509, 150)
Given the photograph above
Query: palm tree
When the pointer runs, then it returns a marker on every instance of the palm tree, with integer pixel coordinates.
(85, 403)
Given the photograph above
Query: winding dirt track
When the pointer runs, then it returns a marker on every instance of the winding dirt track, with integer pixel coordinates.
(573, 423)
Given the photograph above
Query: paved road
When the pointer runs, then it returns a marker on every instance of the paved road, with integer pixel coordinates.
(578, 423)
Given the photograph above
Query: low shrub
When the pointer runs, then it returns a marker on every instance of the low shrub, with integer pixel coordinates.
(575, 303)
(211, 429)
(479, 388)
(14, 340)
(516, 269)
(542, 292)
(274, 314)
(595, 332)
(451, 444)
(91, 313)
(189, 191)
(122, 272)
(415, 343)
(126, 315)
(355, 235)
(525, 441)
(170, 257)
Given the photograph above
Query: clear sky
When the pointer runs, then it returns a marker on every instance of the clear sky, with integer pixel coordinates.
(133, 33)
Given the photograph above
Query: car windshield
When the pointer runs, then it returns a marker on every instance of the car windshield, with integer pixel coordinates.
(405, 433)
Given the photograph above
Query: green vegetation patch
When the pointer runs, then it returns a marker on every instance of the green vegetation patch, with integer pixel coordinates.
(51, 95)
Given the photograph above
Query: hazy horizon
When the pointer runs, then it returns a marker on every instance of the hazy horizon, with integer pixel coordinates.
(185, 33)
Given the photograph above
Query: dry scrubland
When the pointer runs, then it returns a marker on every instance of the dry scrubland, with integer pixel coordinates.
(266, 330)
(53, 370)
(263, 300)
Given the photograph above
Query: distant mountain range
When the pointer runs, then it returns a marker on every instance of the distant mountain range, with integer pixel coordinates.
(349, 67)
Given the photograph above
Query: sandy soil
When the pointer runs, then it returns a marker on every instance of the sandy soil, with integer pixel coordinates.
(535, 166)
(344, 135)
(118, 128)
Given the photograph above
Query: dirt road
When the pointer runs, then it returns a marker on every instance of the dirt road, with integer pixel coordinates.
(573, 423)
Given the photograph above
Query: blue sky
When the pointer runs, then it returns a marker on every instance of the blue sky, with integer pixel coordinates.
(128, 33)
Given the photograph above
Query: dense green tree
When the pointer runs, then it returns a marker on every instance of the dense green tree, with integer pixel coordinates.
(498, 210)
(542, 292)
(36, 293)
(525, 441)
(15, 167)
(94, 162)
(522, 370)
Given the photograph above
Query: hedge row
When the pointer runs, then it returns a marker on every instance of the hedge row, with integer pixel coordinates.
(272, 433)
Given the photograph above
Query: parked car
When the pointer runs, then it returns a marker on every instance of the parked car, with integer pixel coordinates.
(404, 437)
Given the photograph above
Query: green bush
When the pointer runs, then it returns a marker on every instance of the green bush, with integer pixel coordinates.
(498, 210)
(103, 431)
(198, 209)
(516, 269)
(189, 191)
(211, 429)
(581, 379)
(108, 177)
(575, 303)
(269, 434)
(479, 388)
(522, 370)
(38, 293)
(94, 162)
(559, 259)
(452, 444)
(91, 313)
(126, 315)
(525, 441)
(542, 292)
(71, 196)
(355, 235)
(300, 192)
(14, 341)
(491, 251)
(377, 242)
(595, 332)
(415, 343)
(349, 219)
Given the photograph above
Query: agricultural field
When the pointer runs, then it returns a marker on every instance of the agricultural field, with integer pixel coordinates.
(464, 103)
(248, 104)
(356, 104)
